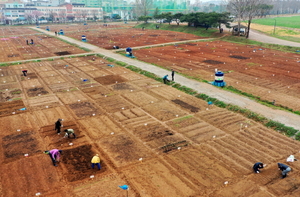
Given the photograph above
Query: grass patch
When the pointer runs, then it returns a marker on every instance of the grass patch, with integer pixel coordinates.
(16, 91)
(292, 21)
(183, 118)
(123, 64)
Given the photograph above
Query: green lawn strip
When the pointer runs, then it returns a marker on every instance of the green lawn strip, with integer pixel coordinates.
(291, 22)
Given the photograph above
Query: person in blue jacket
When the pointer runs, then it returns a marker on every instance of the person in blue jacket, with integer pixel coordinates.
(258, 166)
(165, 78)
(284, 168)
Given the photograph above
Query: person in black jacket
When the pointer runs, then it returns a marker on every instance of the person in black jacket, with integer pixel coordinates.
(284, 168)
(258, 166)
(58, 125)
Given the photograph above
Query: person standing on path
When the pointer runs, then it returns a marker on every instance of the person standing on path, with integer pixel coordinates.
(284, 168)
(56, 33)
(96, 161)
(69, 132)
(54, 155)
(27, 42)
(165, 78)
(58, 125)
(172, 74)
(258, 166)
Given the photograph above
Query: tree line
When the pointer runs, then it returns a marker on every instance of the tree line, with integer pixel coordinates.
(196, 19)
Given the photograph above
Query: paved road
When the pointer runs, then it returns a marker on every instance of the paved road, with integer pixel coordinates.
(255, 35)
(284, 117)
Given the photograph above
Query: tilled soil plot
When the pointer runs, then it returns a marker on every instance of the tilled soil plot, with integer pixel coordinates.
(19, 145)
(107, 37)
(77, 163)
(268, 74)
(15, 48)
(149, 136)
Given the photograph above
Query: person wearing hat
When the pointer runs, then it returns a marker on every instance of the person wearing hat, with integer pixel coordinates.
(58, 125)
(96, 161)
(69, 132)
(54, 155)
(284, 168)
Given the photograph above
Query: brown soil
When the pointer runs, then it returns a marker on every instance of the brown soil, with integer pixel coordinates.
(269, 74)
(149, 136)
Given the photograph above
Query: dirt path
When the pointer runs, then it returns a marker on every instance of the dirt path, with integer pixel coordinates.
(284, 117)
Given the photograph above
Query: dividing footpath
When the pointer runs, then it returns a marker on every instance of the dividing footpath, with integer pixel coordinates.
(284, 117)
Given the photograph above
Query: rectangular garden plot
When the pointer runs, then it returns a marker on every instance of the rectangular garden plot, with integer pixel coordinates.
(97, 92)
(62, 87)
(104, 186)
(131, 76)
(31, 175)
(50, 116)
(224, 119)
(123, 149)
(42, 102)
(168, 93)
(76, 162)
(16, 145)
(54, 80)
(79, 78)
(133, 117)
(31, 83)
(10, 95)
(54, 140)
(11, 107)
(36, 91)
(154, 178)
(98, 73)
(199, 169)
(195, 129)
(124, 87)
(85, 109)
(164, 110)
(100, 126)
(110, 79)
(156, 135)
(17, 123)
(71, 97)
(7, 79)
(147, 83)
(114, 103)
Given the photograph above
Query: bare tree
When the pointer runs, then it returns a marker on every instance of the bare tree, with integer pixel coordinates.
(62, 15)
(36, 14)
(246, 10)
(52, 16)
(84, 14)
(95, 14)
(29, 17)
(142, 7)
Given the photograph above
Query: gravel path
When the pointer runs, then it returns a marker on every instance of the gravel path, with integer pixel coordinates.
(284, 117)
